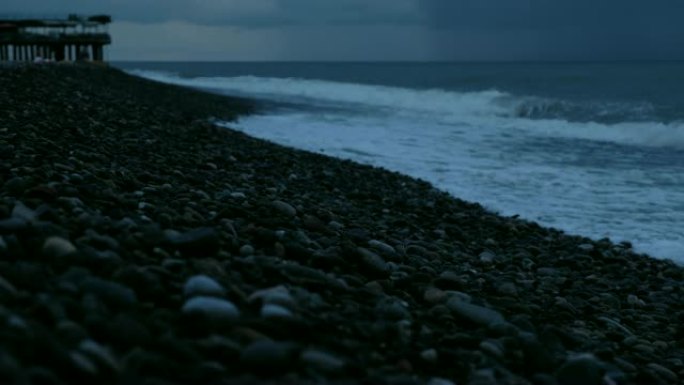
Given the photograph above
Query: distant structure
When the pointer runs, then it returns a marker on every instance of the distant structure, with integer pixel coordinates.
(75, 38)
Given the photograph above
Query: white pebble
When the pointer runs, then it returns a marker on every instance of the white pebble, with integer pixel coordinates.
(202, 285)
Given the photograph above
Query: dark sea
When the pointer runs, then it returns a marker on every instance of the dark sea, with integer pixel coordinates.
(595, 149)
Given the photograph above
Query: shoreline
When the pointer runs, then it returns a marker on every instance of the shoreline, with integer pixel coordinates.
(116, 192)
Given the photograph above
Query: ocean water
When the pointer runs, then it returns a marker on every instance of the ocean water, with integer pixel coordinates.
(595, 149)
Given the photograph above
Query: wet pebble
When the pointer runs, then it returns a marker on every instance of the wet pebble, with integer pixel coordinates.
(476, 314)
(56, 247)
(320, 360)
(213, 309)
(202, 285)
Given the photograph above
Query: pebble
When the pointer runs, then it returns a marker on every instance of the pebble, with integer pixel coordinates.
(99, 354)
(582, 369)
(429, 355)
(448, 280)
(6, 288)
(487, 257)
(202, 285)
(278, 295)
(392, 309)
(381, 246)
(433, 295)
(477, 314)
(663, 372)
(373, 262)
(83, 363)
(284, 208)
(586, 247)
(270, 310)
(247, 250)
(321, 360)
(110, 292)
(57, 247)
(266, 357)
(214, 309)
(439, 381)
(492, 348)
(204, 240)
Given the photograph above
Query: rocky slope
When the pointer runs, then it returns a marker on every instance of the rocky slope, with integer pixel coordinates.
(141, 244)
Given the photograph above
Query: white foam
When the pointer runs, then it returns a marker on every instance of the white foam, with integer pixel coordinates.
(587, 178)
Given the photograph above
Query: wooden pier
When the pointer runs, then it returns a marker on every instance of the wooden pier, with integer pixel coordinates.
(75, 38)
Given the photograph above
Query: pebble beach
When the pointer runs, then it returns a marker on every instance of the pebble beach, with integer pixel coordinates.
(140, 243)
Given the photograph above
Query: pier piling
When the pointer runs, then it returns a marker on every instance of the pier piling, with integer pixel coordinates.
(71, 39)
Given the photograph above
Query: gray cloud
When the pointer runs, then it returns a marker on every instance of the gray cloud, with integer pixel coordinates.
(448, 29)
(562, 29)
(242, 13)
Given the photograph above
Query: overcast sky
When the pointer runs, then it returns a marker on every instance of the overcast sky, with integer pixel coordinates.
(470, 30)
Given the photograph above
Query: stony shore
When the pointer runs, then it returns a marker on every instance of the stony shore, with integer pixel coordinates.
(141, 244)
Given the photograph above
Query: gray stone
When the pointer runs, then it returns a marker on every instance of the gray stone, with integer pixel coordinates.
(429, 355)
(381, 246)
(270, 310)
(373, 262)
(13, 224)
(439, 381)
(392, 309)
(268, 357)
(278, 295)
(284, 208)
(581, 369)
(487, 257)
(202, 285)
(20, 211)
(99, 354)
(586, 247)
(110, 292)
(474, 313)
(203, 240)
(6, 288)
(322, 361)
(663, 372)
(214, 309)
(56, 247)
(82, 363)
(247, 250)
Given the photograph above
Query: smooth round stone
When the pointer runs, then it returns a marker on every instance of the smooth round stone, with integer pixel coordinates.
(284, 208)
(247, 250)
(582, 369)
(392, 309)
(99, 354)
(663, 372)
(268, 357)
(270, 310)
(321, 360)
(278, 295)
(110, 292)
(57, 247)
(82, 363)
(439, 381)
(215, 309)
(381, 246)
(433, 295)
(487, 257)
(202, 285)
(474, 313)
(429, 355)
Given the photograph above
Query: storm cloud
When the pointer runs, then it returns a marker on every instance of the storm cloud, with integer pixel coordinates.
(383, 29)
